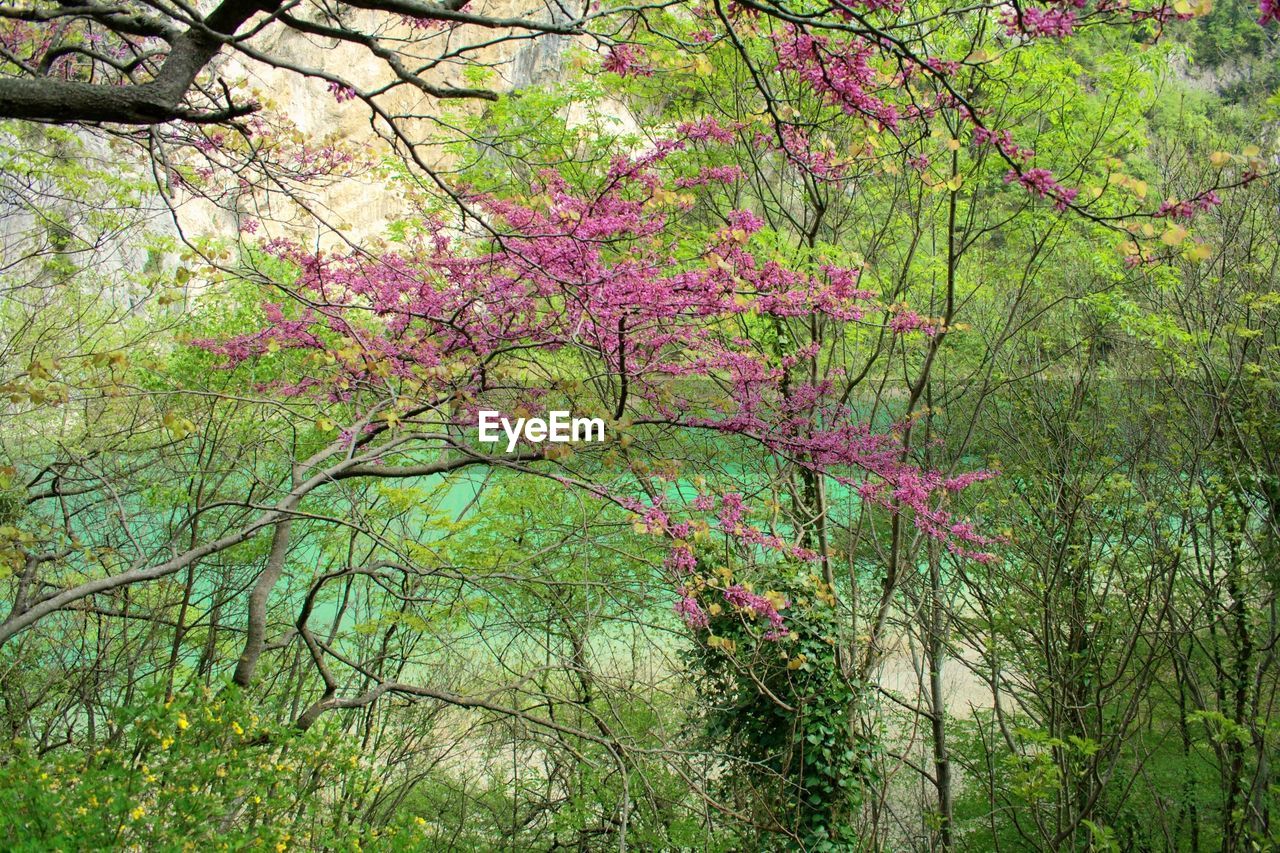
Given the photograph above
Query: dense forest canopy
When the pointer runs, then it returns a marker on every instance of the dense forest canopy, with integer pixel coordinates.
(936, 353)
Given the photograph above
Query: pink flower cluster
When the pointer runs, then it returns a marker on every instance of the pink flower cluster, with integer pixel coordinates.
(1038, 22)
(1161, 14)
(711, 174)
(745, 601)
(757, 605)
(1002, 140)
(340, 92)
(680, 560)
(909, 321)
(689, 610)
(1041, 182)
(707, 130)
(626, 60)
(819, 162)
(840, 71)
(1186, 210)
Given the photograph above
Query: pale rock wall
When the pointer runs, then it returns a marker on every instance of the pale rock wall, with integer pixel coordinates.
(358, 208)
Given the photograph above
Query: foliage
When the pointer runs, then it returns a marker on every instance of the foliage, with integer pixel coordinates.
(938, 508)
(784, 720)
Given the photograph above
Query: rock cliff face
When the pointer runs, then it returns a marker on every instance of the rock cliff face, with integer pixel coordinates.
(359, 206)
(327, 213)
(102, 216)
